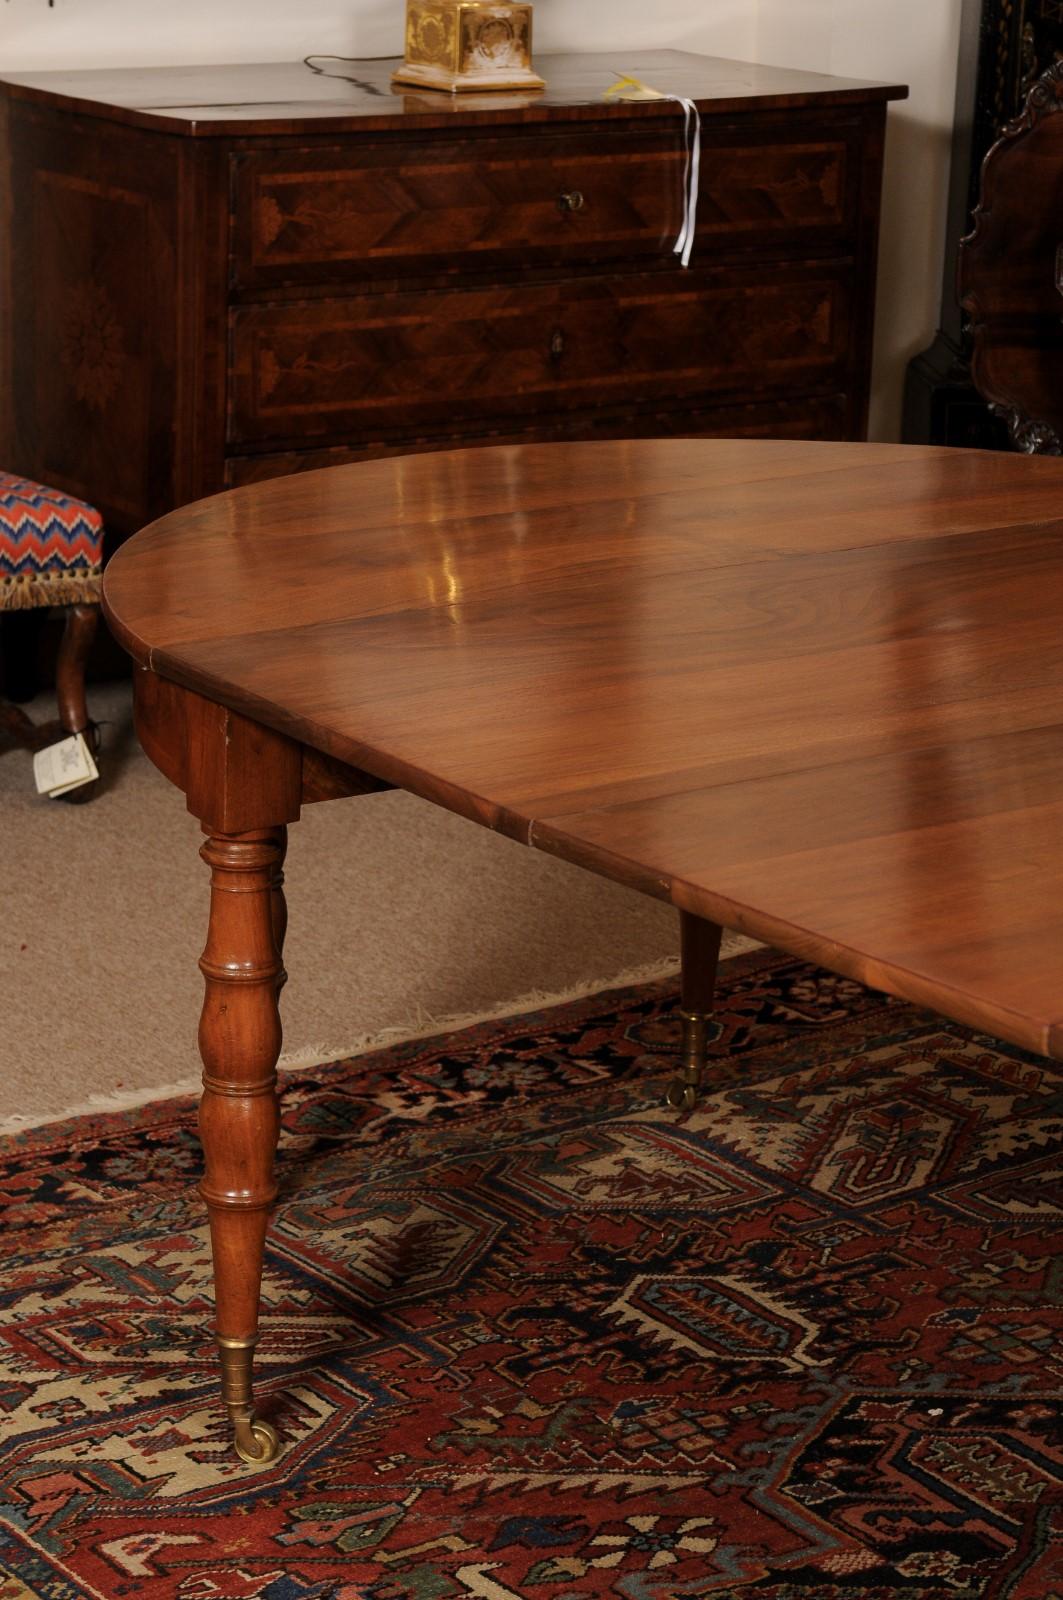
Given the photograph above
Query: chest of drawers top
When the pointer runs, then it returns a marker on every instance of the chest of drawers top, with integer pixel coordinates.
(272, 99)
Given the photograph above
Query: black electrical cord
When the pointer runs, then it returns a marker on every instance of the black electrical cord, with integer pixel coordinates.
(344, 77)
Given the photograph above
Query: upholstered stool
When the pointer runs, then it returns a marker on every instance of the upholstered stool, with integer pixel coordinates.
(51, 548)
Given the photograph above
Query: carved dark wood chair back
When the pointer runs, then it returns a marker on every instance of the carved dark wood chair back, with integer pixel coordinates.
(1011, 272)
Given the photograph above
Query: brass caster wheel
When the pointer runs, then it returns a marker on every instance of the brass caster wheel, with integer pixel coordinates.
(256, 1442)
(682, 1096)
(685, 1088)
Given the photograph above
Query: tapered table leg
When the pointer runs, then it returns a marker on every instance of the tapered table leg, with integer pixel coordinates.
(240, 1040)
(278, 904)
(700, 954)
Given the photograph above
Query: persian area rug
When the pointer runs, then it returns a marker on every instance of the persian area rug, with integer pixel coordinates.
(530, 1334)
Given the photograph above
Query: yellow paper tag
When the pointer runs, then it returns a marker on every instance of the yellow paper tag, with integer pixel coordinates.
(632, 89)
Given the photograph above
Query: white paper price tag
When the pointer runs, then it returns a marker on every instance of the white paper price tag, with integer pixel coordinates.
(64, 766)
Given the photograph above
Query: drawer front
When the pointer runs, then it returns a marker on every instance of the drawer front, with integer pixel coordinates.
(373, 211)
(341, 368)
(339, 215)
(820, 417)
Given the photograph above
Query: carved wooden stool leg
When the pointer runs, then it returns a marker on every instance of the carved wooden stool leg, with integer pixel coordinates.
(700, 953)
(240, 1040)
(78, 634)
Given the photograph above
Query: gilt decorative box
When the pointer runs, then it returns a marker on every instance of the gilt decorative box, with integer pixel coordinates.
(461, 45)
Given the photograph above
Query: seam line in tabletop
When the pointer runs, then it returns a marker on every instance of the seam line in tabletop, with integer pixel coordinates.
(148, 537)
(595, 573)
(179, 663)
(557, 818)
(516, 822)
(786, 468)
(541, 829)
(561, 576)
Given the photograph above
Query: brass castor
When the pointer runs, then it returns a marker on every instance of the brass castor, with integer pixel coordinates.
(682, 1096)
(255, 1442)
(685, 1088)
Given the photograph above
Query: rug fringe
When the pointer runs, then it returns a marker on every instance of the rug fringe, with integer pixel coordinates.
(422, 1025)
(117, 1100)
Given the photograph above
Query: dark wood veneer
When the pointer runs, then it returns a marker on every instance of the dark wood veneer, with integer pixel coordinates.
(213, 275)
(447, 206)
(329, 369)
(820, 417)
(1010, 276)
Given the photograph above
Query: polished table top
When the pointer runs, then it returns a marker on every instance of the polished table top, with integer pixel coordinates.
(810, 691)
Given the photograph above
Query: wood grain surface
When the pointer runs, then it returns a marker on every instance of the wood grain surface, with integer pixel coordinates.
(810, 691)
(305, 217)
(281, 96)
(324, 371)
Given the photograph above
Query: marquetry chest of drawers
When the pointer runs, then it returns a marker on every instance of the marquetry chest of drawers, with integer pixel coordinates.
(213, 275)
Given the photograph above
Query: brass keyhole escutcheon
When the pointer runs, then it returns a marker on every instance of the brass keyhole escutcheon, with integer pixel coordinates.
(570, 200)
(557, 344)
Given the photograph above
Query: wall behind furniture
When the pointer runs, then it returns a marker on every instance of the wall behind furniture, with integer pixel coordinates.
(912, 41)
(903, 41)
(91, 33)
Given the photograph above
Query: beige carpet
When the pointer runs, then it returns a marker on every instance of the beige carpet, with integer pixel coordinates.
(402, 917)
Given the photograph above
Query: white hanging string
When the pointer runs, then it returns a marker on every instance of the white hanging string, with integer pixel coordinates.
(627, 88)
(684, 244)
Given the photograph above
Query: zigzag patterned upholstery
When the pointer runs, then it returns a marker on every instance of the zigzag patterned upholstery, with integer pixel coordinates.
(51, 546)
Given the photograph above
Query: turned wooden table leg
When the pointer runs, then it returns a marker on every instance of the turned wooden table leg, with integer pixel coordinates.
(240, 1040)
(700, 954)
(279, 905)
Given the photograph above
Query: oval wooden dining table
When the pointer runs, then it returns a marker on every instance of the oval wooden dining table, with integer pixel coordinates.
(810, 691)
